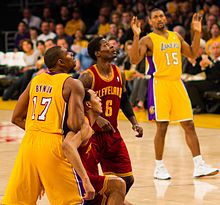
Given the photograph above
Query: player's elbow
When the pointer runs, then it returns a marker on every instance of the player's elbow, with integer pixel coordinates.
(65, 147)
(68, 145)
(15, 120)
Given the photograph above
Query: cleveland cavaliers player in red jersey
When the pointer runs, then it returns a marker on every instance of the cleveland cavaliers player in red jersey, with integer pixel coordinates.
(109, 84)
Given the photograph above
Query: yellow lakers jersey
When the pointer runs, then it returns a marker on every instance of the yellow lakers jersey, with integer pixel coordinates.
(166, 60)
(46, 107)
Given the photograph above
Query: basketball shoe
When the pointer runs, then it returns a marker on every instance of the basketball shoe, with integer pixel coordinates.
(161, 172)
(202, 169)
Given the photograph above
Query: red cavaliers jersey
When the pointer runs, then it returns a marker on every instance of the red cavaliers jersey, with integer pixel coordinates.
(110, 92)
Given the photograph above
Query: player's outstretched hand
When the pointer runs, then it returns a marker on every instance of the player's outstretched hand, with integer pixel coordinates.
(104, 124)
(138, 129)
(197, 22)
(136, 26)
(89, 190)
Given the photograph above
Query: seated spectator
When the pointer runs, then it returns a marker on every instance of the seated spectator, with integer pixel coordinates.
(79, 42)
(60, 33)
(63, 17)
(83, 60)
(49, 43)
(45, 32)
(22, 33)
(210, 20)
(33, 32)
(113, 41)
(63, 43)
(138, 94)
(76, 23)
(40, 65)
(215, 36)
(30, 19)
(47, 14)
(101, 26)
(113, 31)
(211, 68)
(192, 69)
(30, 58)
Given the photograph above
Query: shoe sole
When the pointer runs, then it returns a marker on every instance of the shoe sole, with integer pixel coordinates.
(210, 174)
(162, 179)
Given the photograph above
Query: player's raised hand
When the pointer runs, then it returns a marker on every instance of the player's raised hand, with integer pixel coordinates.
(136, 26)
(197, 22)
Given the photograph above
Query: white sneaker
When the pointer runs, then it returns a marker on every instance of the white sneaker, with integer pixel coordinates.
(161, 172)
(204, 170)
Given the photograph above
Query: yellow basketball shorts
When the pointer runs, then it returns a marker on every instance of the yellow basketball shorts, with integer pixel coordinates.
(41, 163)
(168, 101)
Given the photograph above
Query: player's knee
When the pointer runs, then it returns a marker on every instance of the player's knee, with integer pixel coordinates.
(117, 185)
(129, 182)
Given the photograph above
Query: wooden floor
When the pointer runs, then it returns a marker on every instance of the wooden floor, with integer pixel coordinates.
(182, 189)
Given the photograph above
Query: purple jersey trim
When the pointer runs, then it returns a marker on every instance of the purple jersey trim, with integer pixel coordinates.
(152, 68)
(80, 185)
(151, 103)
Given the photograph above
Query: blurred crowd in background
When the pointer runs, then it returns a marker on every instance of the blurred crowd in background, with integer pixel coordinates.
(72, 24)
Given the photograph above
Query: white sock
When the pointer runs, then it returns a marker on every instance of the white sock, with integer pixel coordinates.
(159, 162)
(197, 160)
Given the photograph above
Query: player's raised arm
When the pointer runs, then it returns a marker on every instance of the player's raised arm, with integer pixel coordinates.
(139, 48)
(191, 51)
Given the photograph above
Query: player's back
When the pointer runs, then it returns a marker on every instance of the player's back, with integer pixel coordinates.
(166, 61)
(110, 92)
(46, 107)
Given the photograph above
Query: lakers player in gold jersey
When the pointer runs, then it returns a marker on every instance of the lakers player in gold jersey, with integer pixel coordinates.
(41, 161)
(167, 97)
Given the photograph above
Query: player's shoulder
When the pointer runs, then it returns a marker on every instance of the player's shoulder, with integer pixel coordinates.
(73, 83)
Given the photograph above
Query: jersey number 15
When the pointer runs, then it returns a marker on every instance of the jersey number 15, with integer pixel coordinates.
(171, 58)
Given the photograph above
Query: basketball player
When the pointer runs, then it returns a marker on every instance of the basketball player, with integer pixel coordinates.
(110, 190)
(106, 80)
(41, 161)
(167, 97)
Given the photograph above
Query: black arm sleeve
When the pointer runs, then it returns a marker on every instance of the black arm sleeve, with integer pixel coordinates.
(126, 105)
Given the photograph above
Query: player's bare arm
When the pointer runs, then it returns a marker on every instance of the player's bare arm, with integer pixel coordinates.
(127, 109)
(139, 47)
(191, 51)
(86, 79)
(20, 111)
(73, 93)
(70, 146)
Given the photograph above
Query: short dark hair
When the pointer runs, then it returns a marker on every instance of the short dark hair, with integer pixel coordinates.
(93, 46)
(51, 56)
(26, 40)
(153, 10)
(113, 38)
(87, 96)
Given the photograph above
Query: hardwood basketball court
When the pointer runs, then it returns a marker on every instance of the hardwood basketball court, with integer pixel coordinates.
(182, 189)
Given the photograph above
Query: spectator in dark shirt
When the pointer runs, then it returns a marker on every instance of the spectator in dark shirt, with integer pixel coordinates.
(211, 68)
